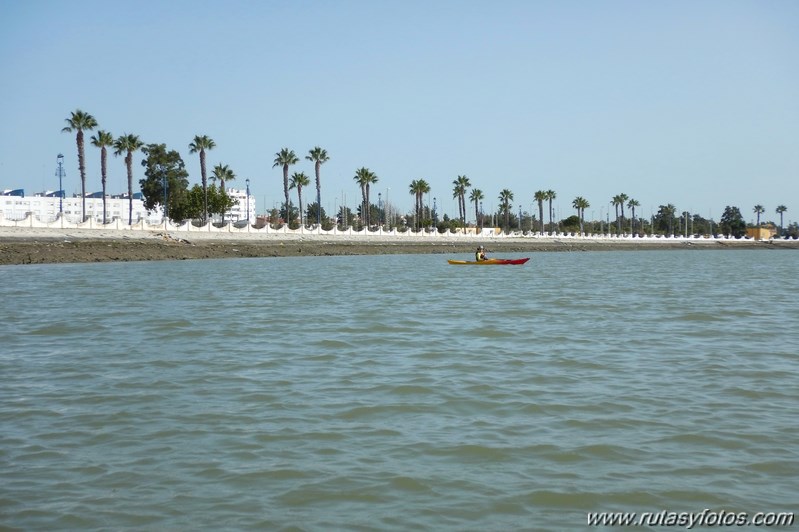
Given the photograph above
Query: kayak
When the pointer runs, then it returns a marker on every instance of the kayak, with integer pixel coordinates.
(490, 261)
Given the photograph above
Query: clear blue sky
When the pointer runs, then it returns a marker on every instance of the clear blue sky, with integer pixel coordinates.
(694, 103)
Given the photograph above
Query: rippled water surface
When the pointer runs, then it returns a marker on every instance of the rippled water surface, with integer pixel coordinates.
(397, 392)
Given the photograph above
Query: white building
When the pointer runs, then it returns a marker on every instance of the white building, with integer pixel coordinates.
(244, 208)
(45, 206)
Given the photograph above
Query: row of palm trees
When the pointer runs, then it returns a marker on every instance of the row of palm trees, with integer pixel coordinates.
(758, 210)
(80, 121)
(127, 144)
(286, 158)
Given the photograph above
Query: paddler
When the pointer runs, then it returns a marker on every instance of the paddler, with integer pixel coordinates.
(480, 254)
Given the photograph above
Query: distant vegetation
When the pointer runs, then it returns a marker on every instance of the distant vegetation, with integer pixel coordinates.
(165, 184)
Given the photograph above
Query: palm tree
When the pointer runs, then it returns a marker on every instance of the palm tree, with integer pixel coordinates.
(371, 181)
(222, 173)
(618, 201)
(102, 140)
(128, 144)
(581, 204)
(461, 184)
(632, 204)
(200, 144)
(550, 196)
(299, 180)
(419, 187)
(413, 189)
(286, 158)
(540, 197)
(759, 210)
(319, 157)
(623, 197)
(457, 192)
(78, 121)
(476, 196)
(505, 197)
(780, 210)
(365, 177)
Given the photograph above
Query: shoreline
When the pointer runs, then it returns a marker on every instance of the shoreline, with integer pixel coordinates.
(52, 246)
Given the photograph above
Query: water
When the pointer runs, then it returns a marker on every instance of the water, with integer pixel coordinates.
(397, 392)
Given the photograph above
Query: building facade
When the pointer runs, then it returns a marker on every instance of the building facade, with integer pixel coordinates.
(46, 206)
(243, 209)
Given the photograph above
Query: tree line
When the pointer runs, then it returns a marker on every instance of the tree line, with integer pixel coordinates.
(166, 184)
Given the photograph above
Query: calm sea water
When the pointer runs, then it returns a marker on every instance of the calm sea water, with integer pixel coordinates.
(397, 392)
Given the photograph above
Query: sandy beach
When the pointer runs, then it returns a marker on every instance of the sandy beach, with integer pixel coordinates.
(41, 245)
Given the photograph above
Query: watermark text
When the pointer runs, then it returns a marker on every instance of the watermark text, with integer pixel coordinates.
(689, 520)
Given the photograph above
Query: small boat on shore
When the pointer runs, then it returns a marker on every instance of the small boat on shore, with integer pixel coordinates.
(489, 262)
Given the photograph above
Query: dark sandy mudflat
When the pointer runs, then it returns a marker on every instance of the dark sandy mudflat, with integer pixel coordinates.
(25, 247)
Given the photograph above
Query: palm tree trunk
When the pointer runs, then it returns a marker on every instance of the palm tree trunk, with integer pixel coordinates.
(368, 205)
(541, 216)
(222, 188)
(286, 190)
(129, 164)
(104, 172)
(318, 194)
(418, 210)
(205, 186)
(82, 168)
(363, 206)
(299, 199)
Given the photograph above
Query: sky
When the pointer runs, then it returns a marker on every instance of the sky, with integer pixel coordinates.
(691, 103)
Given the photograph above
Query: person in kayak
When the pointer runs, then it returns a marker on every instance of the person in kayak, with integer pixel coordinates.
(480, 254)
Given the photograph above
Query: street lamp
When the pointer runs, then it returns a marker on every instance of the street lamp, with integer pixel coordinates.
(248, 199)
(379, 207)
(60, 173)
(435, 214)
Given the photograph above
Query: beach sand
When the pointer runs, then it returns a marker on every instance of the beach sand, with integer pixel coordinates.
(36, 246)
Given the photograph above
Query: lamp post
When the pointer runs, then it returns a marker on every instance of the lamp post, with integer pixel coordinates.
(247, 181)
(481, 217)
(520, 217)
(388, 211)
(435, 213)
(379, 207)
(60, 173)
